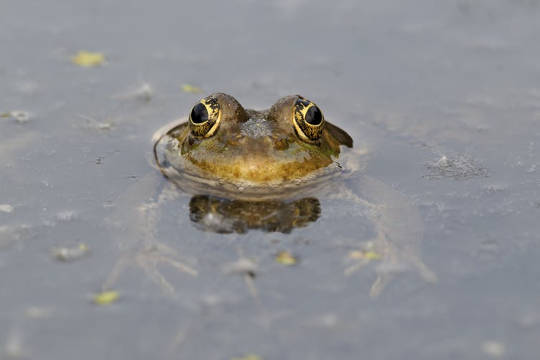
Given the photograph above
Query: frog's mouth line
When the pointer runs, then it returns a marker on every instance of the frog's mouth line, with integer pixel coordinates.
(195, 183)
(192, 180)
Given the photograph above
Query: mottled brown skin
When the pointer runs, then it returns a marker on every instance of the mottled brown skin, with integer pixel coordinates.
(259, 147)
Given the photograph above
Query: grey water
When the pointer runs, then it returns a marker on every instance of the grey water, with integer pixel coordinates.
(443, 96)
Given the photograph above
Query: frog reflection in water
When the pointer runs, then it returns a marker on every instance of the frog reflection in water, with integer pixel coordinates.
(227, 216)
(257, 164)
(266, 170)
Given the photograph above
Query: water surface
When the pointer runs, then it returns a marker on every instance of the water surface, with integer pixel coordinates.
(445, 96)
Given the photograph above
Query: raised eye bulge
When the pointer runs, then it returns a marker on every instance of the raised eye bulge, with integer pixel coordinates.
(308, 120)
(205, 117)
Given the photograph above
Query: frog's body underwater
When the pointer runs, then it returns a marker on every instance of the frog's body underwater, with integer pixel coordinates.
(265, 170)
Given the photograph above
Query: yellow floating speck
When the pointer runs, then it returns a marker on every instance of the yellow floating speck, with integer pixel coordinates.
(356, 254)
(364, 255)
(88, 59)
(191, 89)
(286, 258)
(106, 297)
(372, 255)
(248, 357)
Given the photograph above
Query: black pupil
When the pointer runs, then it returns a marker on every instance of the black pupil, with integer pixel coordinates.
(199, 114)
(313, 116)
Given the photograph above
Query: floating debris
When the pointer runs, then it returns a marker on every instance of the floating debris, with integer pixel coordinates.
(248, 357)
(19, 116)
(364, 255)
(460, 167)
(67, 215)
(191, 89)
(36, 312)
(6, 208)
(246, 268)
(242, 266)
(88, 59)
(106, 297)
(70, 254)
(92, 123)
(144, 92)
(14, 347)
(104, 126)
(286, 258)
(493, 348)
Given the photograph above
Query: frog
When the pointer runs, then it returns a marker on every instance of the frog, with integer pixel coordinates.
(265, 170)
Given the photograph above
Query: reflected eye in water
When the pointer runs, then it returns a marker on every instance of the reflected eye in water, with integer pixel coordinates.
(211, 213)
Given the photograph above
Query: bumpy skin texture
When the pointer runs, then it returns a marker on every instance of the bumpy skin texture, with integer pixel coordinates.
(258, 146)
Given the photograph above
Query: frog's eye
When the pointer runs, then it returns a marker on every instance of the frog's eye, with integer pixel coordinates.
(205, 117)
(308, 120)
